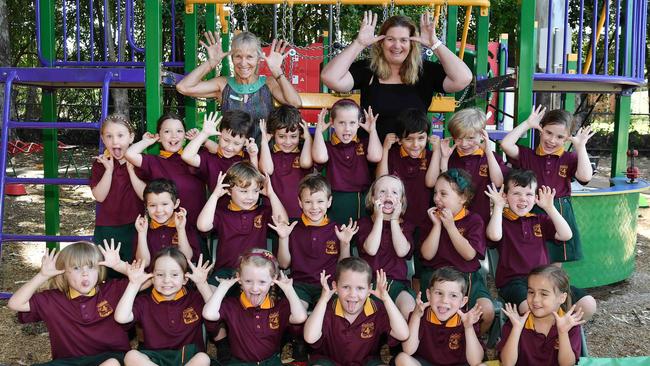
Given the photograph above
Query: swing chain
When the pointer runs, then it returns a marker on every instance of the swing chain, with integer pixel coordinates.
(231, 5)
(284, 20)
(291, 24)
(337, 24)
(245, 12)
(385, 13)
(392, 7)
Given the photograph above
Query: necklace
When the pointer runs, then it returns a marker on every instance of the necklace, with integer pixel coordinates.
(246, 88)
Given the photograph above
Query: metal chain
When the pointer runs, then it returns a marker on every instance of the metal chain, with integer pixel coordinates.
(392, 7)
(290, 24)
(245, 11)
(284, 20)
(231, 5)
(337, 23)
(385, 13)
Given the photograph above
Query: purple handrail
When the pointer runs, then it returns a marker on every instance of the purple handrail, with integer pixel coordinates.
(4, 142)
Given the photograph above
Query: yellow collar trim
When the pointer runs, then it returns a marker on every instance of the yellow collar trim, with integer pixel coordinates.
(539, 151)
(403, 153)
(530, 321)
(478, 152)
(167, 154)
(276, 148)
(335, 140)
(305, 220)
(510, 215)
(232, 206)
(369, 308)
(452, 322)
(461, 214)
(220, 153)
(266, 304)
(73, 294)
(170, 223)
(158, 298)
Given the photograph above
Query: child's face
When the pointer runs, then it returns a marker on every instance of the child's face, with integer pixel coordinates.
(231, 145)
(255, 282)
(245, 198)
(553, 137)
(353, 288)
(168, 277)
(346, 124)
(82, 278)
(161, 206)
(116, 138)
(468, 143)
(389, 192)
(543, 297)
(286, 140)
(172, 135)
(446, 297)
(521, 199)
(414, 143)
(314, 204)
(446, 196)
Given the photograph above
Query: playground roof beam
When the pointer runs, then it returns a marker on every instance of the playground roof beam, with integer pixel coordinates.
(478, 3)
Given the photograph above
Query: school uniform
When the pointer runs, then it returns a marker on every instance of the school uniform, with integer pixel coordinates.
(356, 343)
(255, 333)
(348, 173)
(441, 342)
(476, 164)
(286, 177)
(539, 349)
(556, 171)
(213, 164)
(160, 236)
(79, 325)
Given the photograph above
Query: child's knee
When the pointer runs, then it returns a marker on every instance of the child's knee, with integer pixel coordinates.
(134, 357)
(588, 305)
(403, 359)
(110, 362)
(199, 359)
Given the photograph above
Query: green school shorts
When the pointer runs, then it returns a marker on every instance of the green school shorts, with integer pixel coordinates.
(328, 362)
(86, 360)
(308, 293)
(396, 287)
(172, 357)
(271, 361)
(564, 251)
(476, 287)
(123, 234)
(346, 205)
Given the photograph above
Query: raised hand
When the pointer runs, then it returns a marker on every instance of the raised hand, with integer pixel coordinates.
(366, 35)
(427, 30)
(346, 232)
(397, 210)
(485, 137)
(191, 134)
(228, 282)
(471, 317)
(434, 216)
(266, 136)
(211, 124)
(200, 271)
(111, 254)
(381, 288)
(267, 189)
(322, 125)
(545, 197)
(284, 283)
(141, 224)
(377, 211)
(517, 320)
(570, 319)
(276, 56)
(434, 141)
(283, 229)
(150, 138)
(106, 161)
(135, 272)
(419, 305)
(496, 196)
(221, 188)
(326, 292)
(180, 218)
(213, 48)
(389, 141)
(445, 149)
(251, 147)
(48, 264)
(370, 121)
(535, 117)
(582, 136)
(305, 130)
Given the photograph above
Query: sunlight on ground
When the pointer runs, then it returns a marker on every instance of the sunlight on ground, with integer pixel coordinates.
(33, 252)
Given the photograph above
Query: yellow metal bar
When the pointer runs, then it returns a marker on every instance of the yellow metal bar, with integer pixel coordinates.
(601, 24)
(481, 3)
(326, 100)
(222, 14)
(463, 39)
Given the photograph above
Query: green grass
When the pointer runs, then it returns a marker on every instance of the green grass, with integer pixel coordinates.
(639, 124)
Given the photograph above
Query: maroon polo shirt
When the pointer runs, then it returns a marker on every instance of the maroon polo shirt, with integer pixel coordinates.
(538, 349)
(238, 231)
(170, 324)
(522, 246)
(412, 172)
(386, 257)
(83, 326)
(347, 167)
(166, 236)
(255, 333)
(191, 190)
(442, 343)
(285, 179)
(351, 344)
(213, 164)
(122, 205)
(552, 170)
(477, 166)
(313, 249)
(472, 228)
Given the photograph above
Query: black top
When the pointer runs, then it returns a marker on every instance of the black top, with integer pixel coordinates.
(390, 99)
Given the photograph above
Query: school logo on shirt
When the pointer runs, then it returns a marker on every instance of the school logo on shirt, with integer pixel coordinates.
(454, 341)
(461, 231)
(537, 230)
(190, 316)
(330, 247)
(483, 170)
(274, 320)
(175, 239)
(296, 163)
(257, 222)
(423, 164)
(367, 330)
(563, 171)
(104, 309)
(360, 150)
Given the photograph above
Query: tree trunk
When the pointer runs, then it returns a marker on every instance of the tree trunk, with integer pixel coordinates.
(120, 96)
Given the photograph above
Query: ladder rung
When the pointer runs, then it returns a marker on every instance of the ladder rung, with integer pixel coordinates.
(54, 181)
(47, 125)
(66, 238)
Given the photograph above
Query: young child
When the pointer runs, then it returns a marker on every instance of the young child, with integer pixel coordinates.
(78, 308)
(472, 153)
(520, 238)
(242, 224)
(234, 129)
(168, 164)
(347, 330)
(314, 243)
(549, 333)
(286, 162)
(554, 167)
(346, 157)
(257, 319)
(116, 187)
(386, 238)
(447, 336)
(166, 227)
(170, 315)
(457, 239)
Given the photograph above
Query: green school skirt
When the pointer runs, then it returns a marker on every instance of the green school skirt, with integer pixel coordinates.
(86, 360)
(271, 361)
(564, 251)
(346, 205)
(124, 234)
(172, 357)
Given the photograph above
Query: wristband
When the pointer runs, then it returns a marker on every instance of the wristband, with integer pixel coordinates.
(278, 77)
(436, 45)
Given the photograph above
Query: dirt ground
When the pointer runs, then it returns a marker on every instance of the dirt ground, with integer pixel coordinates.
(620, 328)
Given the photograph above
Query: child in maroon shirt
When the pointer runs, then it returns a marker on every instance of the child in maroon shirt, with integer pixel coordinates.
(286, 161)
(385, 241)
(166, 227)
(257, 319)
(457, 239)
(170, 315)
(78, 310)
(549, 333)
(116, 187)
(346, 157)
(446, 335)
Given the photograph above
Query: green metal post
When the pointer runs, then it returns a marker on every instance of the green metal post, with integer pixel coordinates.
(450, 41)
(621, 134)
(49, 113)
(626, 34)
(153, 61)
(482, 39)
(211, 26)
(326, 41)
(569, 99)
(525, 64)
(191, 46)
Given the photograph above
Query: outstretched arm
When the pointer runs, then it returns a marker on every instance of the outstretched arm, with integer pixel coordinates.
(306, 161)
(205, 221)
(509, 142)
(318, 149)
(193, 84)
(298, 312)
(494, 230)
(430, 244)
(137, 277)
(103, 187)
(279, 85)
(494, 170)
(265, 161)
(212, 307)
(134, 152)
(545, 201)
(584, 171)
(19, 301)
(313, 330)
(433, 171)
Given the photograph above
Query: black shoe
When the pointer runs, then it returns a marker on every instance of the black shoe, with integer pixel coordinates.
(223, 351)
(299, 350)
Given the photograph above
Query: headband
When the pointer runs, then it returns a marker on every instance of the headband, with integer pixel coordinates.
(458, 178)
